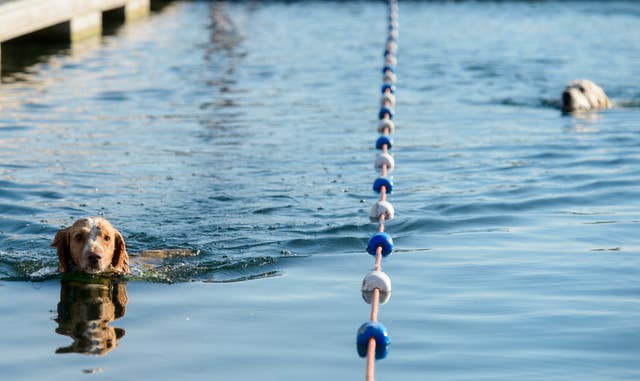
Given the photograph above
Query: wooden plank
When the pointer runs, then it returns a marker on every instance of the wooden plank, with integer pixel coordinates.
(20, 17)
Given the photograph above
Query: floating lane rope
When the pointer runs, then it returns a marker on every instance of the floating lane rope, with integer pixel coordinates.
(372, 338)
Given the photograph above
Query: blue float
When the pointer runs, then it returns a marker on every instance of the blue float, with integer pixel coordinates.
(382, 140)
(380, 240)
(381, 352)
(385, 110)
(380, 182)
(388, 52)
(388, 67)
(378, 332)
(389, 86)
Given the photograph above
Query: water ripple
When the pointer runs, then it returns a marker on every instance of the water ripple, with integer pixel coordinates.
(222, 147)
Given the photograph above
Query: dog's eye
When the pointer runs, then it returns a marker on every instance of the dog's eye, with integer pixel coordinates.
(107, 238)
(78, 237)
(581, 89)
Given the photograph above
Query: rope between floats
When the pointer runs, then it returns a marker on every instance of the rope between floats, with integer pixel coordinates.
(372, 338)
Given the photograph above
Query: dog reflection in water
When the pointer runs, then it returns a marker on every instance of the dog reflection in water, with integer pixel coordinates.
(85, 311)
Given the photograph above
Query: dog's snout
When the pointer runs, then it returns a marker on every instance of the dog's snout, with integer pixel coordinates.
(95, 247)
(94, 257)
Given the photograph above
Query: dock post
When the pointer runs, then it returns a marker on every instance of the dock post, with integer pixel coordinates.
(77, 28)
(136, 9)
(84, 26)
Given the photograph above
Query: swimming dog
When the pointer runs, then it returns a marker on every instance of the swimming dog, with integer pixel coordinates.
(584, 95)
(91, 245)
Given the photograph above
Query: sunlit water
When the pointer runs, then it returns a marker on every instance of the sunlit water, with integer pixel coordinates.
(249, 143)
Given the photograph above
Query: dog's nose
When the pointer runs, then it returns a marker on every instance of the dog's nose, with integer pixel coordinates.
(567, 101)
(94, 258)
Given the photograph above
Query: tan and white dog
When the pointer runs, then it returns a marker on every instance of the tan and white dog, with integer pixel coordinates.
(91, 245)
(584, 95)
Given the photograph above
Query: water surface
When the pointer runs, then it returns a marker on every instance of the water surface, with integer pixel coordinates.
(244, 133)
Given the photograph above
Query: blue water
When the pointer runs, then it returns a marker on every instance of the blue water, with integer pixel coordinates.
(243, 132)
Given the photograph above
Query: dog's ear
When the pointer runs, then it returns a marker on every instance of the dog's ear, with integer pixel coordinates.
(61, 243)
(119, 298)
(120, 261)
(119, 333)
(62, 350)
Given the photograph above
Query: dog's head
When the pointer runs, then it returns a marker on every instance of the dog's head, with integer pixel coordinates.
(584, 95)
(91, 245)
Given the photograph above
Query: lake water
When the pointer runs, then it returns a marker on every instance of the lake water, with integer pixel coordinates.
(243, 133)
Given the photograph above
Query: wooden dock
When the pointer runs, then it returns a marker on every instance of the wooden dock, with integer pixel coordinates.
(63, 20)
